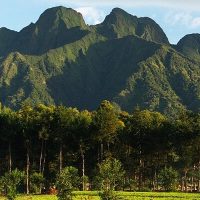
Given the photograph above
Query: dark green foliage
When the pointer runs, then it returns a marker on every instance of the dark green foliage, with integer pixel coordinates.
(141, 151)
(67, 181)
(36, 182)
(168, 178)
(9, 182)
(106, 123)
(111, 174)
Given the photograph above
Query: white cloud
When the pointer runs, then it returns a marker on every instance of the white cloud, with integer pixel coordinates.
(192, 5)
(195, 22)
(91, 14)
(182, 18)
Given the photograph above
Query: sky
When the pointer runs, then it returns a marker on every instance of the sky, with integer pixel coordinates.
(176, 17)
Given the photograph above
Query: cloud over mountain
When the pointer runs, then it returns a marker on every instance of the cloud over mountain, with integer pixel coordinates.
(180, 4)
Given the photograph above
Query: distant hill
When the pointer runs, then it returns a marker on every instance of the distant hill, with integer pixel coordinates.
(125, 59)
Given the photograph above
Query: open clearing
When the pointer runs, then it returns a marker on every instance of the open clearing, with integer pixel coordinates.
(124, 196)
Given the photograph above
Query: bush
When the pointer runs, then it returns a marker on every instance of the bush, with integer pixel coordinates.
(67, 181)
(130, 184)
(36, 182)
(9, 183)
(111, 174)
(168, 179)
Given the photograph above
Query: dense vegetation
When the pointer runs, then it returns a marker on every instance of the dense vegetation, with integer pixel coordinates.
(107, 148)
(125, 59)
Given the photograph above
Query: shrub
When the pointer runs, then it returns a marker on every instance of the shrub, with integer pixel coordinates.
(67, 181)
(9, 183)
(36, 182)
(168, 178)
(111, 174)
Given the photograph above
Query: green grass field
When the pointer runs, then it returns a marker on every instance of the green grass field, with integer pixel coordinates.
(123, 195)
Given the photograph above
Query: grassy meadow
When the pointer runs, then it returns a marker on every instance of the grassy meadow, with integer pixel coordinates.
(123, 195)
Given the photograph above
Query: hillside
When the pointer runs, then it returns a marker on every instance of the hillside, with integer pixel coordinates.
(125, 59)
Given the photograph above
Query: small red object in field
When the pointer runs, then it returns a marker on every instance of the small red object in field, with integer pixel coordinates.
(53, 190)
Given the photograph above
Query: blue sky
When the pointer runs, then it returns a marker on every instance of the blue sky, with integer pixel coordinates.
(176, 17)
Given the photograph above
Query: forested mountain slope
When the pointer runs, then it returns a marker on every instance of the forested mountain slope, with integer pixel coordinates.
(125, 59)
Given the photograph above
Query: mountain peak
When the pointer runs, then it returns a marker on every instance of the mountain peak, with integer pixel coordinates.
(118, 11)
(55, 27)
(189, 45)
(193, 36)
(119, 23)
(53, 16)
(117, 15)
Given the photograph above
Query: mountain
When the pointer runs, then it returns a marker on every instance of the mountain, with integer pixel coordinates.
(125, 59)
(120, 24)
(6, 39)
(190, 46)
(55, 27)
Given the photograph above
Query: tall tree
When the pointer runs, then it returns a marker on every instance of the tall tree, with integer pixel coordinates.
(106, 124)
(63, 124)
(8, 124)
(26, 121)
(82, 135)
(141, 127)
(44, 118)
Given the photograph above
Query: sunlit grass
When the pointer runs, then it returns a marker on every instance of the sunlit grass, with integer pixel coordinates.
(124, 196)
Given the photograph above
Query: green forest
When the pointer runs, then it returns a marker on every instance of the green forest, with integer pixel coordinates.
(140, 151)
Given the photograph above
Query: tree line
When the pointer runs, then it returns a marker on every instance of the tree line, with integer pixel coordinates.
(155, 152)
